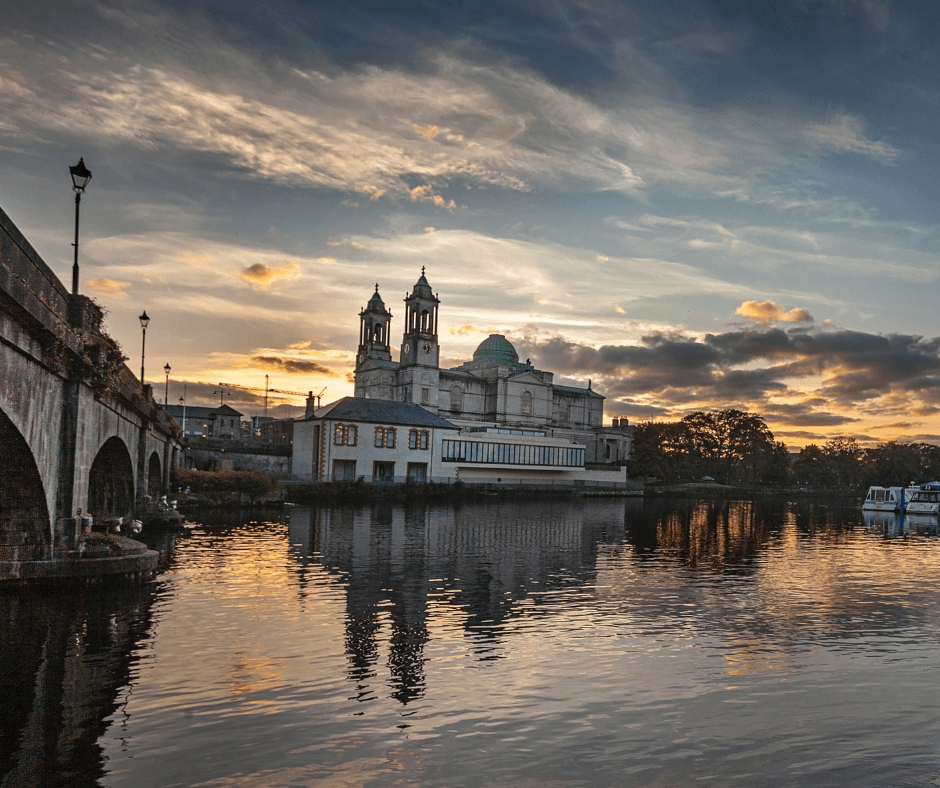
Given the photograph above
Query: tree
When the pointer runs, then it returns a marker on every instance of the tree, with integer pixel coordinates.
(843, 458)
(810, 466)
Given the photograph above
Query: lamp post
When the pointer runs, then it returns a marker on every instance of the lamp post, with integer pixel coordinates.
(80, 177)
(183, 403)
(166, 391)
(144, 320)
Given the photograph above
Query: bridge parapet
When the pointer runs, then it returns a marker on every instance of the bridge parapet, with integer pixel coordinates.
(77, 429)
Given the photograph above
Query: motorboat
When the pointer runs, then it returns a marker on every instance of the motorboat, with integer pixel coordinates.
(924, 499)
(885, 499)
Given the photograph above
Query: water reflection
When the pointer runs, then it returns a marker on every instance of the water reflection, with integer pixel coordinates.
(63, 658)
(482, 568)
(606, 642)
(893, 524)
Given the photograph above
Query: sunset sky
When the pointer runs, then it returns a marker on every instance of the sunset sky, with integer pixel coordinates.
(693, 204)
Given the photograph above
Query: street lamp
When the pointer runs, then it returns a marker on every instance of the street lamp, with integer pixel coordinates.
(144, 320)
(80, 177)
(166, 391)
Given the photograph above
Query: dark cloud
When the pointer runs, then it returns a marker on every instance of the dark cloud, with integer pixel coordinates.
(292, 366)
(751, 367)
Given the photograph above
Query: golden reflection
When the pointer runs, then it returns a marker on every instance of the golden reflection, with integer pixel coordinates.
(252, 674)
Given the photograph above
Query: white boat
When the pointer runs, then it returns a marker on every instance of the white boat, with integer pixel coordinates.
(884, 499)
(925, 499)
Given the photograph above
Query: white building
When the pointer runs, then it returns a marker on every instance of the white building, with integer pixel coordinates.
(493, 389)
(377, 440)
(385, 441)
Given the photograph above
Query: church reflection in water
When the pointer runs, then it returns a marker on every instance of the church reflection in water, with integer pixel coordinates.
(477, 567)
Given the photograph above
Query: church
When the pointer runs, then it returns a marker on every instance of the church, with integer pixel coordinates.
(493, 392)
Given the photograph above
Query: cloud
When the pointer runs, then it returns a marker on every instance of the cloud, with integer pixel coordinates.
(429, 229)
(493, 123)
(796, 377)
(429, 132)
(112, 287)
(293, 366)
(427, 194)
(346, 242)
(261, 276)
(374, 193)
(764, 312)
(845, 133)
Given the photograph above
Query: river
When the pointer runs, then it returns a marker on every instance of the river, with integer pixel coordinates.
(599, 642)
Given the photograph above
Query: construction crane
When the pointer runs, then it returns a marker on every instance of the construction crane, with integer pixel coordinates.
(268, 390)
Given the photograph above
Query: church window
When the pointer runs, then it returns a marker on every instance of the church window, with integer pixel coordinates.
(377, 334)
(425, 321)
(526, 403)
(456, 398)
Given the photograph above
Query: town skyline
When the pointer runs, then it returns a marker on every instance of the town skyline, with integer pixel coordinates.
(722, 206)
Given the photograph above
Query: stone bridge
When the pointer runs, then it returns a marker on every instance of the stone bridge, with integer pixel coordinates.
(77, 429)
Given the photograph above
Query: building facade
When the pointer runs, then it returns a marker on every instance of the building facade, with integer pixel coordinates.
(197, 422)
(494, 389)
(376, 440)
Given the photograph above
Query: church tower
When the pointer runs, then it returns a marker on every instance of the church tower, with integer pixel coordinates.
(419, 372)
(374, 324)
(419, 344)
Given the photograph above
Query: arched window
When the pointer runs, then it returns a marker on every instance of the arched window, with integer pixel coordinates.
(377, 334)
(456, 398)
(526, 403)
(425, 320)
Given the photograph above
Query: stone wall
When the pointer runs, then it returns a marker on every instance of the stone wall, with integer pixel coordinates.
(231, 455)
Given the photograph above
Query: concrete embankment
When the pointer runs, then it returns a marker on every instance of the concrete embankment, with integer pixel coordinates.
(119, 559)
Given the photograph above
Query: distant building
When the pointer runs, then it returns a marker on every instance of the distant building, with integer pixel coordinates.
(279, 431)
(221, 422)
(493, 389)
(382, 441)
(377, 440)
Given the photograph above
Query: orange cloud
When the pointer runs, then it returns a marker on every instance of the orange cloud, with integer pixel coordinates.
(428, 132)
(261, 276)
(112, 286)
(764, 312)
(426, 193)
(372, 192)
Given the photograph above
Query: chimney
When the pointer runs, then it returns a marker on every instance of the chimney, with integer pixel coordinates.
(311, 405)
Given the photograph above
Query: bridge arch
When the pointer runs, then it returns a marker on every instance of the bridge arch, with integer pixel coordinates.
(24, 514)
(154, 476)
(111, 482)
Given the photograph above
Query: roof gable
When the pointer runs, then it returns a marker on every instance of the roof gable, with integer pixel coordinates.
(382, 411)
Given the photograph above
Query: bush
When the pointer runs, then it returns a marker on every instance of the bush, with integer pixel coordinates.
(254, 483)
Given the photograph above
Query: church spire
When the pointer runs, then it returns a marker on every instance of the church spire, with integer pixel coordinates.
(374, 324)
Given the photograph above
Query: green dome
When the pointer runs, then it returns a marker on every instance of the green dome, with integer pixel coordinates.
(496, 350)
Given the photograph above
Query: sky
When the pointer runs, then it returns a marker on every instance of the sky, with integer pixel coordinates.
(694, 205)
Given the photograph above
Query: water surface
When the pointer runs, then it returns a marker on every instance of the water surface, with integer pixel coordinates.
(587, 643)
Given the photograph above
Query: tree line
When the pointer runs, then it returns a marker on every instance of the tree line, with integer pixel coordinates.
(736, 447)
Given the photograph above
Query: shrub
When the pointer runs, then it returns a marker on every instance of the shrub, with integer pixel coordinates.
(254, 483)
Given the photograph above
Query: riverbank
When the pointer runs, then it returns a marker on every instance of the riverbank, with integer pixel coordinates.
(100, 558)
